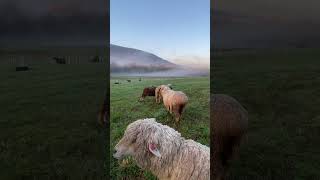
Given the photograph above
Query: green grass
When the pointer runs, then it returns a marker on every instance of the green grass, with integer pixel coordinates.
(49, 129)
(281, 90)
(48, 121)
(125, 109)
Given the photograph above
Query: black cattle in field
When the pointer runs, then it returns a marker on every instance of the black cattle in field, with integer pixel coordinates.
(128, 80)
(22, 68)
(60, 60)
(96, 59)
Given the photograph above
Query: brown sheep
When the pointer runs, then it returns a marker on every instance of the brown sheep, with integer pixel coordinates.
(174, 101)
(148, 91)
(229, 125)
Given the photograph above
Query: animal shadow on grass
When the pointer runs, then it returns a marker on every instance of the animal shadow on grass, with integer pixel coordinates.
(146, 100)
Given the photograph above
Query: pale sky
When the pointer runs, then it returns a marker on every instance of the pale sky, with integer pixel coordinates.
(176, 30)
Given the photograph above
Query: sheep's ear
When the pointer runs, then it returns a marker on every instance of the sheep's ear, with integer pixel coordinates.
(153, 149)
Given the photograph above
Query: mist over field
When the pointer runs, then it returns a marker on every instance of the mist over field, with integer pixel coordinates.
(132, 62)
(176, 72)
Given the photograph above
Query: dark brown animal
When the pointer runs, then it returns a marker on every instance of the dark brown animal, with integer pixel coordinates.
(96, 59)
(148, 91)
(22, 68)
(229, 125)
(103, 114)
(60, 60)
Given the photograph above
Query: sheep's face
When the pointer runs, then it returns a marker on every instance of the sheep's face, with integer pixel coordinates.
(125, 147)
(132, 143)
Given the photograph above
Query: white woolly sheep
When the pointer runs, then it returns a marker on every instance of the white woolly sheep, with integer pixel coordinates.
(164, 152)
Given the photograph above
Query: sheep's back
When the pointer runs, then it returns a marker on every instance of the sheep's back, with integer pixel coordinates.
(193, 162)
(228, 115)
(175, 97)
(229, 123)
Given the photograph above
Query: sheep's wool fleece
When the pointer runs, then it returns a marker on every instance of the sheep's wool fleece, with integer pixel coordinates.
(173, 98)
(180, 158)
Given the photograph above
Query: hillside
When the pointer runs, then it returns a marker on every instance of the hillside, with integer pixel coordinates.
(123, 59)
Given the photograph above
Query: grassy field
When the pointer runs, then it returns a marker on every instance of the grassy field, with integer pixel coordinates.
(281, 91)
(125, 109)
(48, 121)
(49, 129)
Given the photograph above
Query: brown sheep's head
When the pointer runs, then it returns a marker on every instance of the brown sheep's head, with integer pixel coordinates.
(131, 144)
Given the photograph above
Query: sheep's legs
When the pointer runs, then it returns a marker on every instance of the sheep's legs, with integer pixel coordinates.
(178, 117)
(177, 121)
(169, 108)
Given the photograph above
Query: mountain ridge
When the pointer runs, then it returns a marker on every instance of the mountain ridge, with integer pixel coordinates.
(124, 59)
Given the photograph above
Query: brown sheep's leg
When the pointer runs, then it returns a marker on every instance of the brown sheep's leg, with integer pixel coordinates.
(176, 113)
(159, 99)
(177, 120)
(168, 108)
(178, 117)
